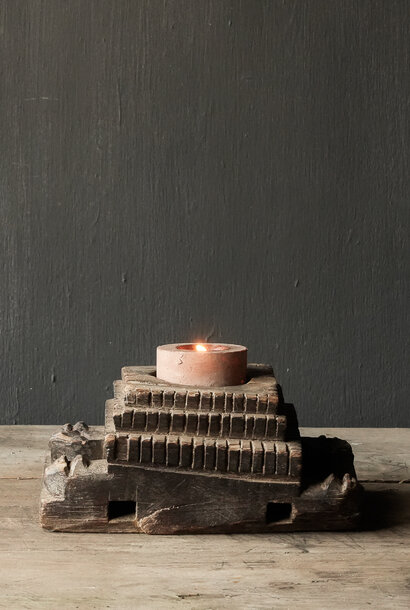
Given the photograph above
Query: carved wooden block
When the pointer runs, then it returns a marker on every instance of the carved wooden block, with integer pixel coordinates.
(210, 423)
(182, 459)
(275, 459)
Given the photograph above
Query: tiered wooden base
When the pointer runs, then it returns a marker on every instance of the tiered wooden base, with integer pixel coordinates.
(178, 460)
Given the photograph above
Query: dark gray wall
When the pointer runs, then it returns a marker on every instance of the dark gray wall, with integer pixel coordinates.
(194, 169)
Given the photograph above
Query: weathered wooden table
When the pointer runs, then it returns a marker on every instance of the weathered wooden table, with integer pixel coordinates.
(370, 568)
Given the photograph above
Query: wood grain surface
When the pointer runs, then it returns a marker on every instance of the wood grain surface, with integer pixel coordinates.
(365, 569)
(211, 170)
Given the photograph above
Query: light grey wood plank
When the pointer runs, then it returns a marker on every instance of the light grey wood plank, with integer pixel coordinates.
(44, 570)
(313, 570)
(23, 449)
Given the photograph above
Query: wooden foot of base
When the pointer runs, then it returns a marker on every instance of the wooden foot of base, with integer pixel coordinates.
(88, 494)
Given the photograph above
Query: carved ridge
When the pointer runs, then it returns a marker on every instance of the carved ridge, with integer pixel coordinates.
(268, 458)
(199, 423)
(202, 400)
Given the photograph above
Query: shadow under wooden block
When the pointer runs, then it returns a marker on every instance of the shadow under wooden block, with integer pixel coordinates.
(385, 506)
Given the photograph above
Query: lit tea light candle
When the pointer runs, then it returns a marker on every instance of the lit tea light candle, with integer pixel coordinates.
(202, 364)
(200, 348)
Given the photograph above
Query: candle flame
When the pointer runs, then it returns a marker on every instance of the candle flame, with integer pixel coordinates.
(200, 348)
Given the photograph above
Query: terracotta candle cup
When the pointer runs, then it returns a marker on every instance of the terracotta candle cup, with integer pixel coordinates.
(202, 364)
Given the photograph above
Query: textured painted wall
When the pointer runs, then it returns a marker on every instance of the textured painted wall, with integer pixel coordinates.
(205, 169)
